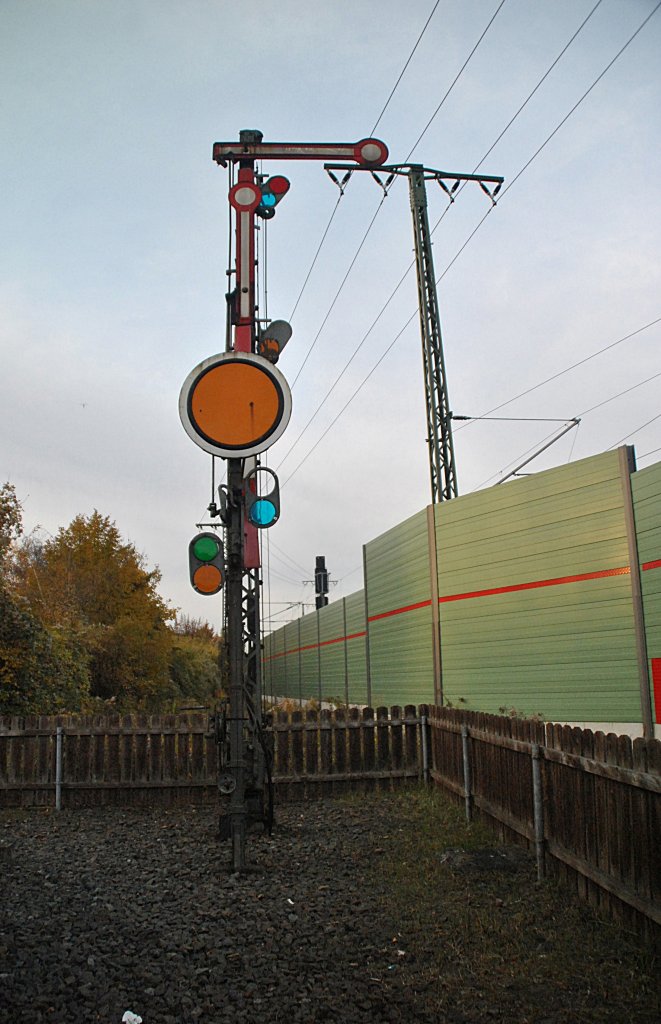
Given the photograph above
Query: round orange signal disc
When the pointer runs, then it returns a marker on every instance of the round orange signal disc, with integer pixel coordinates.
(235, 404)
(207, 579)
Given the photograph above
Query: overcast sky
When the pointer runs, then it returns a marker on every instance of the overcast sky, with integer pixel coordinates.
(115, 241)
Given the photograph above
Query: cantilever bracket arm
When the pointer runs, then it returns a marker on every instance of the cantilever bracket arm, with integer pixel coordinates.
(429, 173)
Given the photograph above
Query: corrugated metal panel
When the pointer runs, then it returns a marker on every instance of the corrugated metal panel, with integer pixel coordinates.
(292, 660)
(278, 663)
(398, 566)
(566, 521)
(566, 651)
(309, 657)
(267, 665)
(646, 490)
(401, 659)
(331, 628)
(356, 651)
(398, 579)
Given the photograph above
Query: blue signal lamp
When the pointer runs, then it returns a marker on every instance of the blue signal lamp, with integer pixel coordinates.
(273, 189)
(263, 512)
(262, 497)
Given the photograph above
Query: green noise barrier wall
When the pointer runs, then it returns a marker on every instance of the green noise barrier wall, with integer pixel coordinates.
(541, 596)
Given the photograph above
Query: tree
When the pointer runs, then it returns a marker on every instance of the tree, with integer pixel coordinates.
(88, 581)
(11, 522)
(184, 625)
(41, 671)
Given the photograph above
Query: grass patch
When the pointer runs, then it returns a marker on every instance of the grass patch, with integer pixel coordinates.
(485, 941)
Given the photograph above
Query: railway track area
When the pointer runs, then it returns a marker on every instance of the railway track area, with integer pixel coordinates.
(376, 909)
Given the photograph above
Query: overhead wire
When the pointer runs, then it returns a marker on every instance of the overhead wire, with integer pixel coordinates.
(567, 369)
(645, 454)
(548, 139)
(339, 290)
(520, 110)
(295, 564)
(401, 74)
(344, 369)
(316, 256)
(447, 93)
(448, 207)
(455, 80)
(480, 223)
(516, 459)
(636, 431)
(580, 416)
(376, 123)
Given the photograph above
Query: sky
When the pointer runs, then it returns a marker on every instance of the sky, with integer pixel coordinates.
(115, 242)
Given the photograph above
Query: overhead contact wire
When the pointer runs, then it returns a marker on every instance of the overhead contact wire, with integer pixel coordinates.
(567, 369)
(447, 93)
(316, 256)
(412, 263)
(549, 137)
(339, 290)
(401, 74)
(376, 123)
(455, 80)
(523, 106)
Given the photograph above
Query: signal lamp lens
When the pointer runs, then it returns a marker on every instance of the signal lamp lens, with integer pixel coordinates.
(279, 185)
(206, 549)
(207, 579)
(268, 199)
(263, 513)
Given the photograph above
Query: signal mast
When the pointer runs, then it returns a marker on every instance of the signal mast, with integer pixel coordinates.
(235, 405)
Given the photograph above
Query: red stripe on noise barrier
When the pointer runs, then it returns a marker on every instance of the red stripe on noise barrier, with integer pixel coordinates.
(622, 571)
(656, 564)
(400, 611)
(313, 647)
(656, 681)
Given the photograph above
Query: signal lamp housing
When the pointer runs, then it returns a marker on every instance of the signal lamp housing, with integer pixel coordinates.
(206, 561)
(262, 497)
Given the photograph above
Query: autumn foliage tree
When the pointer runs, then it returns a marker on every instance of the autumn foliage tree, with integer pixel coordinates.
(83, 627)
(90, 582)
(32, 657)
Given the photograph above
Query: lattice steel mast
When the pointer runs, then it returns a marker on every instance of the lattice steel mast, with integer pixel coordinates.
(442, 468)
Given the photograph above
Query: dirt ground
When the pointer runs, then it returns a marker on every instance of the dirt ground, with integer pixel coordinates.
(378, 909)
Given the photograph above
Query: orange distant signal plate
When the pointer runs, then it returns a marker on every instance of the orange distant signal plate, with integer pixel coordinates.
(235, 404)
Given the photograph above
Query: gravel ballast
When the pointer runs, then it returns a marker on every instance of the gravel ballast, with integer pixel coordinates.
(108, 910)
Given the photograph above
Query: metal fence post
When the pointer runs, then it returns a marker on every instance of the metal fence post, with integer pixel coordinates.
(425, 748)
(538, 807)
(58, 768)
(467, 773)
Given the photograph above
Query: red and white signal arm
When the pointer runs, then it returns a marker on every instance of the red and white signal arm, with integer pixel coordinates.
(370, 151)
(235, 404)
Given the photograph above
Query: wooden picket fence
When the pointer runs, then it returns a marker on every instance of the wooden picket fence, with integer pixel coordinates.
(330, 752)
(165, 759)
(588, 804)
